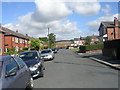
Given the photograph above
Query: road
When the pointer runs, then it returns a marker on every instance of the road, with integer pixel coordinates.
(69, 70)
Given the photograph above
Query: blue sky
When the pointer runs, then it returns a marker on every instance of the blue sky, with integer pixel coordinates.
(78, 22)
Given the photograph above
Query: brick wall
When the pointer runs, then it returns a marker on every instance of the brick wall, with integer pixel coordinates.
(10, 42)
(63, 43)
(110, 33)
(2, 43)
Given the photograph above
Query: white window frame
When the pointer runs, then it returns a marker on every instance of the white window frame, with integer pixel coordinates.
(20, 40)
(0, 51)
(13, 39)
(16, 39)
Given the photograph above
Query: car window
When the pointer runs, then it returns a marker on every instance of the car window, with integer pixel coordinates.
(0, 68)
(46, 51)
(28, 56)
(11, 66)
(20, 62)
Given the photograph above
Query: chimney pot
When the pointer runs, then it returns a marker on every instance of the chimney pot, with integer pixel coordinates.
(115, 21)
(17, 31)
(27, 35)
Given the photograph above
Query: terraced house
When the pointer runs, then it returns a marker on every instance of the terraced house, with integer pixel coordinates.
(12, 39)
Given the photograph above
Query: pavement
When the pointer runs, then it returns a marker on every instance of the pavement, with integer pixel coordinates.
(97, 56)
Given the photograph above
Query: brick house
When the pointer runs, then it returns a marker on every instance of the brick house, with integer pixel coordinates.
(1, 41)
(109, 30)
(11, 39)
(63, 43)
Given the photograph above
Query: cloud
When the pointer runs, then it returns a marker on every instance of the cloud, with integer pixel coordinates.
(53, 15)
(86, 8)
(47, 10)
(106, 10)
(94, 25)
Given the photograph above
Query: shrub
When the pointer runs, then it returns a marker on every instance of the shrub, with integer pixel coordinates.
(10, 51)
(85, 48)
(26, 48)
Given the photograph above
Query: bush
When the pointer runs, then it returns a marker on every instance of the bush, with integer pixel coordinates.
(26, 48)
(85, 48)
(10, 51)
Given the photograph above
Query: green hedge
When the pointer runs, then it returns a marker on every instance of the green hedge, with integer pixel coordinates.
(84, 48)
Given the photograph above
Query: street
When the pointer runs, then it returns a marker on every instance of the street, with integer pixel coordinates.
(69, 70)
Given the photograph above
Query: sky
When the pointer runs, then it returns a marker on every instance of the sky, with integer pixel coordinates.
(67, 20)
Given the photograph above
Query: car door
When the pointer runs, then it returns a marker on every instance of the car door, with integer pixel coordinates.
(25, 72)
(11, 74)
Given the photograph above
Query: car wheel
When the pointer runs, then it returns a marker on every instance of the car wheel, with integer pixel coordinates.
(31, 85)
(41, 72)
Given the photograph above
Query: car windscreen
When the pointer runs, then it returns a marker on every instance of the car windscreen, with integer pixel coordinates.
(46, 51)
(28, 56)
(0, 68)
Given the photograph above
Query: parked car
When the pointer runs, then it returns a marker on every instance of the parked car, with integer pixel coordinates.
(14, 73)
(54, 50)
(34, 62)
(47, 54)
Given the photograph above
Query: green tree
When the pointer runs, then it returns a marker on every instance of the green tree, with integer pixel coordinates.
(88, 40)
(35, 44)
(51, 40)
(44, 39)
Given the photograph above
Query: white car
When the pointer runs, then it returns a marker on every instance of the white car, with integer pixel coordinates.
(47, 54)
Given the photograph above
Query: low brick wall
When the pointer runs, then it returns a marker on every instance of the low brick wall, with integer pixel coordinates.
(93, 51)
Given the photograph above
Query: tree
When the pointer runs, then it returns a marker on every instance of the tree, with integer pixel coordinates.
(88, 40)
(51, 40)
(44, 39)
(35, 44)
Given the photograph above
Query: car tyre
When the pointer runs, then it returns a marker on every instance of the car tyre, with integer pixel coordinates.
(31, 85)
(42, 72)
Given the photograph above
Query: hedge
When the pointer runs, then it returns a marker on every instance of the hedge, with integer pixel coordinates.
(84, 48)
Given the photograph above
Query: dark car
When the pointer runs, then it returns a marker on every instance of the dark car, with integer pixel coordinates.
(14, 73)
(34, 62)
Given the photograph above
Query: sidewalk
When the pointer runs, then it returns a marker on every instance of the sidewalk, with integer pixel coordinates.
(97, 56)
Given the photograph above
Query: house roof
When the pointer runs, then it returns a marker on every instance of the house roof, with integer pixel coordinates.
(76, 39)
(9, 32)
(109, 24)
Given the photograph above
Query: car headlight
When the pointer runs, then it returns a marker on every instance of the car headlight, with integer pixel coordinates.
(32, 68)
(39, 64)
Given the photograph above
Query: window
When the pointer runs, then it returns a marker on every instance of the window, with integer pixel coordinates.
(28, 56)
(12, 38)
(20, 40)
(20, 62)
(0, 51)
(11, 67)
(16, 40)
(25, 41)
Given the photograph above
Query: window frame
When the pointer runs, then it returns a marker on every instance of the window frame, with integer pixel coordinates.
(8, 62)
(0, 51)
(19, 63)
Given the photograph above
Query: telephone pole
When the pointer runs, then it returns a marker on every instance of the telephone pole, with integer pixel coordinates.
(48, 39)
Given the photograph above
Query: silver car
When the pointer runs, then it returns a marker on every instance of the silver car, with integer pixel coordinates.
(47, 54)
(14, 73)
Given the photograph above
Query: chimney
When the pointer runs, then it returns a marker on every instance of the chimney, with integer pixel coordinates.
(116, 21)
(117, 33)
(17, 31)
(26, 35)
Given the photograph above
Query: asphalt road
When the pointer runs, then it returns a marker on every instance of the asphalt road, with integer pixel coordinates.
(69, 70)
